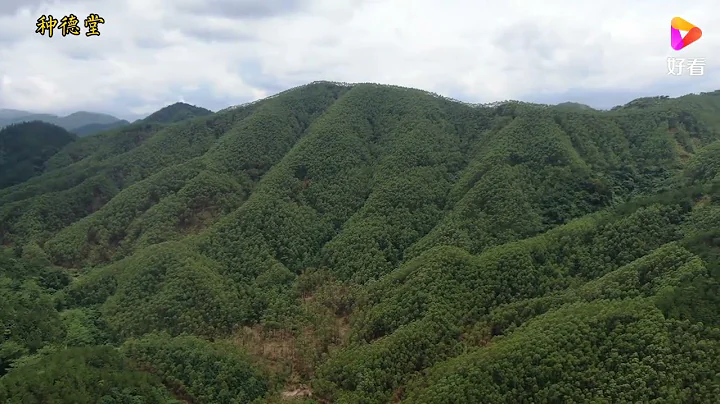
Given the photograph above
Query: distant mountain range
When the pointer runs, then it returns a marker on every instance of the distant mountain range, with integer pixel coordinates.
(82, 123)
(27, 143)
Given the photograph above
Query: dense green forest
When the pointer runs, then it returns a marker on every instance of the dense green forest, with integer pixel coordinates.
(177, 112)
(26, 147)
(362, 243)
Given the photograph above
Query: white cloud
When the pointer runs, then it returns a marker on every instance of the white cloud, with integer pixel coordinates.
(154, 52)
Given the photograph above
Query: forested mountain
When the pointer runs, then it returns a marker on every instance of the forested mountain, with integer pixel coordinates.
(77, 120)
(342, 243)
(93, 128)
(25, 149)
(177, 112)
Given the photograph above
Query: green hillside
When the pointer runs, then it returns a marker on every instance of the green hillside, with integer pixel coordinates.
(177, 112)
(25, 149)
(364, 243)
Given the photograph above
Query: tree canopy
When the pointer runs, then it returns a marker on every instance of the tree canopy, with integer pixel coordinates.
(363, 243)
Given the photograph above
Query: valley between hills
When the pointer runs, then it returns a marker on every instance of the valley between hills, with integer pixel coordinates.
(365, 243)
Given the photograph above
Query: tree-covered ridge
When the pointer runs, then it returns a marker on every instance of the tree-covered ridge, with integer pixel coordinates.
(177, 112)
(93, 128)
(378, 244)
(25, 149)
(208, 372)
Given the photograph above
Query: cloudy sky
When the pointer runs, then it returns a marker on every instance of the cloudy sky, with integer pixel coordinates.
(217, 53)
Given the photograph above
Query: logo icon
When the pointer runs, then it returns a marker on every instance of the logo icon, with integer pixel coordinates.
(676, 40)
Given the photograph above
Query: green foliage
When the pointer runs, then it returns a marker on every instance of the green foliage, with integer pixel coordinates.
(661, 274)
(81, 375)
(705, 165)
(194, 207)
(368, 373)
(97, 236)
(177, 112)
(84, 327)
(25, 149)
(207, 372)
(103, 146)
(584, 249)
(172, 288)
(376, 244)
(127, 156)
(28, 316)
(35, 219)
(602, 351)
(28, 319)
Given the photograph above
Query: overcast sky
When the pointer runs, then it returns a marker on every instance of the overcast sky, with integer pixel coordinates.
(217, 53)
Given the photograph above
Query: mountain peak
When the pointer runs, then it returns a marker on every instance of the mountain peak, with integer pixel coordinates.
(176, 112)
